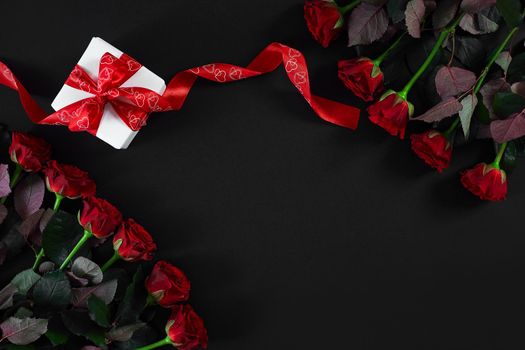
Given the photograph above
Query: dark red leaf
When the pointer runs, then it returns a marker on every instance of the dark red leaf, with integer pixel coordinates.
(367, 23)
(508, 129)
(444, 109)
(489, 90)
(473, 6)
(451, 81)
(414, 14)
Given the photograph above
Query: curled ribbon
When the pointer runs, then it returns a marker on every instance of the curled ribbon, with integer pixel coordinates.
(134, 104)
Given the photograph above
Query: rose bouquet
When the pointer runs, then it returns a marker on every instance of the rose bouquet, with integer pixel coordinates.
(469, 92)
(65, 299)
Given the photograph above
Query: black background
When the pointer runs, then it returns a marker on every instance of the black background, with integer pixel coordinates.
(296, 234)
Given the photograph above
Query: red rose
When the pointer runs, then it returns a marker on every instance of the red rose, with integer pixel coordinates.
(132, 242)
(486, 182)
(30, 152)
(168, 284)
(186, 329)
(362, 77)
(433, 147)
(391, 113)
(99, 217)
(68, 180)
(323, 19)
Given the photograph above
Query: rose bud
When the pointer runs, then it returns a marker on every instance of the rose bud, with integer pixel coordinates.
(132, 242)
(391, 113)
(485, 181)
(324, 20)
(167, 284)
(186, 329)
(362, 77)
(99, 217)
(68, 181)
(433, 148)
(30, 152)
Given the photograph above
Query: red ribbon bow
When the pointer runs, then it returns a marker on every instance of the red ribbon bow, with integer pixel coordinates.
(133, 104)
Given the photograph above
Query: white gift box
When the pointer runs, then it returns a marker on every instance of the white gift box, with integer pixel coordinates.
(111, 129)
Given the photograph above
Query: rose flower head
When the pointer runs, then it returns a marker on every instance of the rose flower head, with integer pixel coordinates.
(323, 20)
(30, 152)
(167, 284)
(133, 243)
(186, 329)
(433, 147)
(99, 217)
(391, 113)
(485, 181)
(361, 76)
(68, 180)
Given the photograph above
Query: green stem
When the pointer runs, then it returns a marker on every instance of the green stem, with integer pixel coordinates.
(58, 201)
(441, 38)
(39, 257)
(14, 180)
(388, 51)
(452, 127)
(111, 261)
(163, 342)
(493, 59)
(87, 235)
(350, 6)
(499, 155)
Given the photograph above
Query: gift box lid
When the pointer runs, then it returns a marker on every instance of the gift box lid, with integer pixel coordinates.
(111, 129)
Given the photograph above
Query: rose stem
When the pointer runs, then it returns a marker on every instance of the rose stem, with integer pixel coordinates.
(499, 155)
(14, 180)
(489, 64)
(111, 261)
(87, 235)
(40, 255)
(441, 38)
(349, 7)
(163, 342)
(388, 51)
(451, 129)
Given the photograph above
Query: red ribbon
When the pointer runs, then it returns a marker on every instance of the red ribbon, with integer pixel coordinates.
(134, 104)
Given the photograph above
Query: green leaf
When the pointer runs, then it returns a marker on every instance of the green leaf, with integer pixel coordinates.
(6, 296)
(482, 114)
(105, 291)
(52, 291)
(144, 336)
(98, 311)
(515, 72)
(25, 280)
(134, 300)
(23, 312)
(396, 10)
(123, 333)
(469, 103)
(511, 11)
(56, 332)
(84, 268)
(507, 103)
(61, 234)
(79, 323)
(23, 331)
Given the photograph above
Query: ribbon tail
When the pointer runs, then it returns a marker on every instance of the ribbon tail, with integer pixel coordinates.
(266, 61)
(336, 113)
(31, 107)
